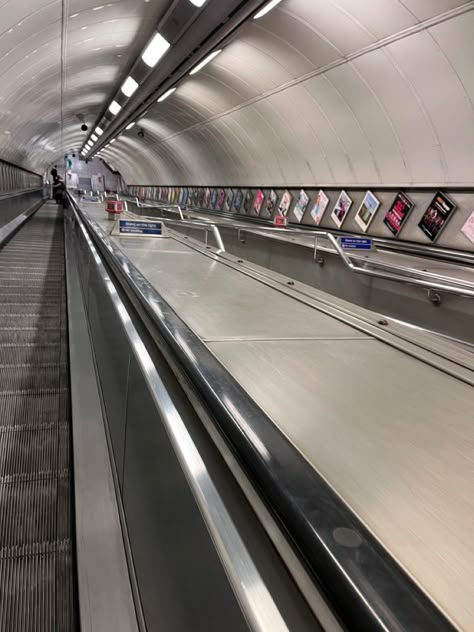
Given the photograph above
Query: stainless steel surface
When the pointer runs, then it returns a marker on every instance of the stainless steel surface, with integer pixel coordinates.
(257, 603)
(393, 437)
(205, 226)
(372, 266)
(218, 302)
(391, 434)
(192, 350)
(104, 591)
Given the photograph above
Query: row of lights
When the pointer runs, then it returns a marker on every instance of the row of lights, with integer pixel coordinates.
(152, 54)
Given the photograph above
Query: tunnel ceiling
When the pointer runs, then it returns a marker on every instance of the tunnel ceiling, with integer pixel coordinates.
(101, 40)
(328, 92)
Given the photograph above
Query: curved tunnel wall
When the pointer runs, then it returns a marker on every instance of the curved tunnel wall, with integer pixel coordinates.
(346, 92)
(316, 93)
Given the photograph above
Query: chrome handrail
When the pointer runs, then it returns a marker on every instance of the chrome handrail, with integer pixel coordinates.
(205, 226)
(427, 280)
(172, 207)
(433, 281)
(256, 601)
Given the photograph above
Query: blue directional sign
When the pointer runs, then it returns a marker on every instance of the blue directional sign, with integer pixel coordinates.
(140, 227)
(356, 243)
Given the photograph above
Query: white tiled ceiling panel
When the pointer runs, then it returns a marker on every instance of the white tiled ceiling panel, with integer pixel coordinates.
(349, 92)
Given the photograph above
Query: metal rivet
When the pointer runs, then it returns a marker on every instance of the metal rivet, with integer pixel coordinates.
(383, 322)
(291, 282)
(240, 260)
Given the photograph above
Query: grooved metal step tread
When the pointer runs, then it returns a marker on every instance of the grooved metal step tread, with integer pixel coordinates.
(34, 407)
(37, 593)
(36, 547)
(29, 354)
(28, 449)
(41, 506)
(42, 337)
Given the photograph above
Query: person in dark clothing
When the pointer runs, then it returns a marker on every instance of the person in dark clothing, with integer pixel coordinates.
(58, 188)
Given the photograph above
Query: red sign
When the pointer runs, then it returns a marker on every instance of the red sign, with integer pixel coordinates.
(114, 206)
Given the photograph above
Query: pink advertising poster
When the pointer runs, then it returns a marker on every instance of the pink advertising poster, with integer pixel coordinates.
(258, 202)
(468, 228)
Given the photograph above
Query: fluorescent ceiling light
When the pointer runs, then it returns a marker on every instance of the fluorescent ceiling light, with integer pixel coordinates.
(99, 131)
(114, 107)
(268, 7)
(198, 3)
(129, 86)
(130, 126)
(205, 61)
(93, 138)
(166, 95)
(155, 50)
(113, 140)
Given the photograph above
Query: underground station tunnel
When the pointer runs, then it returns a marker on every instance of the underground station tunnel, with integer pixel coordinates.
(236, 316)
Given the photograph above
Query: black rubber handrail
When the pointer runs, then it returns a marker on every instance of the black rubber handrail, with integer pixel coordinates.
(364, 585)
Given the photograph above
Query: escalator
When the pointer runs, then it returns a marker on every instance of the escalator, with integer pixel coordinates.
(36, 526)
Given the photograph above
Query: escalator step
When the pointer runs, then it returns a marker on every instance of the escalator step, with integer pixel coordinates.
(36, 545)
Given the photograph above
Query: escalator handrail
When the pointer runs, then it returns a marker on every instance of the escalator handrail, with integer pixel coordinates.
(396, 245)
(364, 585)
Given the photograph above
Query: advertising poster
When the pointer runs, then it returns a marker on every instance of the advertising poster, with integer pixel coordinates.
(229, 199)
(319, 207)
(238, 200)
(272, 202)
(301, 205)
(72, 180)
(195, 195)
(215, 193)
(220, 199)
(98, 182)
(342, 208)
(367, 210)
(248, 201)
(258, 202)
(398, 213)
(206, 198)
(436, 216)
(184, 199)
(285, 203)
(468, 228)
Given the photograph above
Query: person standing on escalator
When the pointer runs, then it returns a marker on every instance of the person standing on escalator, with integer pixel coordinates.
(58, 188)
